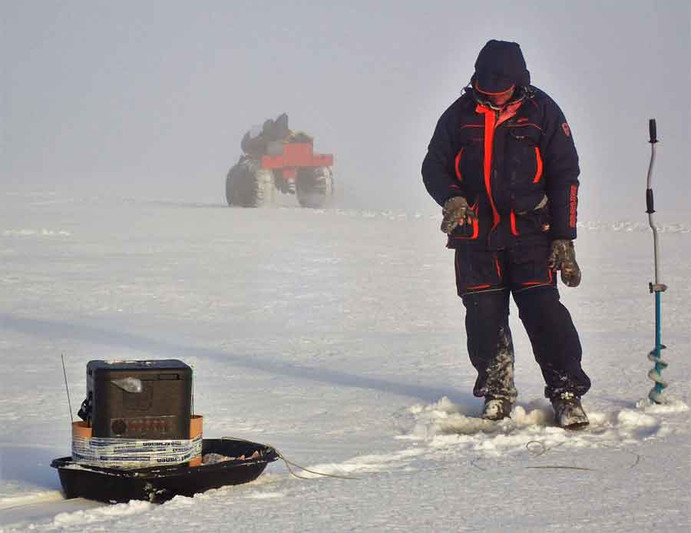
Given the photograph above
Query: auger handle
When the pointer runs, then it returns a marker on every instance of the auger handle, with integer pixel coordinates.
(649, 198)
(652, 127)
(649, 201)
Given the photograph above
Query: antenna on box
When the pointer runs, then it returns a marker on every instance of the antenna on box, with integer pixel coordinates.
(67, 388)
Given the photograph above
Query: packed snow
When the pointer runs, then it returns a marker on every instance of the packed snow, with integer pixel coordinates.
(336, 336)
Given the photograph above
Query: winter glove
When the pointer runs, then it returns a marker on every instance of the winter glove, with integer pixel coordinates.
(456, 211)
(563, 257)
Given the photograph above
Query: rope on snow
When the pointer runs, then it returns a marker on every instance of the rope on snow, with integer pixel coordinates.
(538, 448)
(290, 464)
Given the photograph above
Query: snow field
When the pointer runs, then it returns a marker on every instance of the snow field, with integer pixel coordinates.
(335, 336)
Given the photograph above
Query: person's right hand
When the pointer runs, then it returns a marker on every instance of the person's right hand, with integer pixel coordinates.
(456, 212)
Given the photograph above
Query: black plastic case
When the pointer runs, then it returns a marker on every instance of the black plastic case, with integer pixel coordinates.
(139, 399)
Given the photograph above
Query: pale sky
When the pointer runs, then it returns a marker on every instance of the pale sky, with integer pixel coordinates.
(151, 98)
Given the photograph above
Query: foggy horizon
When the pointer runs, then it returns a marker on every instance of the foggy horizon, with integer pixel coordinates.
(151, 99)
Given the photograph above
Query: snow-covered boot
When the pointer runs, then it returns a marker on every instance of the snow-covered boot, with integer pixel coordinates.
(496, 408)
(568, 412)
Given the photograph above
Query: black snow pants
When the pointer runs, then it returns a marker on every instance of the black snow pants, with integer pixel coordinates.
(484, 280)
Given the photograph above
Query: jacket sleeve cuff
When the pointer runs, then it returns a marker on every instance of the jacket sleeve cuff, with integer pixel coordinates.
(568, 234)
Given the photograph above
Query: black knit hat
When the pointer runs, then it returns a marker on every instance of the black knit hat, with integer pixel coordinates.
(499, 66)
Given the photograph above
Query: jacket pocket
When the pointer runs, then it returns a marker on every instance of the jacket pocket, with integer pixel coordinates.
(476, 270)
(533, 221)
(525, 163)
(469, 160)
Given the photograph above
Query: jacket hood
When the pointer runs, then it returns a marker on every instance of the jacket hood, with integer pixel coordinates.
(500, 66)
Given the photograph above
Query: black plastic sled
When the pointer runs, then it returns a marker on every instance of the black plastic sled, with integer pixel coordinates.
(161, 483)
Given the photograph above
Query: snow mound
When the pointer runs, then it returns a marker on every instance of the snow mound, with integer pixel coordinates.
(257, 495)
(670, 406)
(443, 424)
(101, 514)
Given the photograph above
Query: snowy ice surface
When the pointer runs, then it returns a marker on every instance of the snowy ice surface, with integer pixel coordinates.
(336, 336)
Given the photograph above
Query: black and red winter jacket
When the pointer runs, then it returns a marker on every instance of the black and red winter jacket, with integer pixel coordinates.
(518, 168)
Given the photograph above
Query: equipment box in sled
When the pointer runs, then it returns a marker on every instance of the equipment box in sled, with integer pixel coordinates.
(138, 399)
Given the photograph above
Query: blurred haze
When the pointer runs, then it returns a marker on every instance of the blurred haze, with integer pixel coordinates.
(151, 98)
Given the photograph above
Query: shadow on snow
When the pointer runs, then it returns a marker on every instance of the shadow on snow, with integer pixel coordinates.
(54, 329)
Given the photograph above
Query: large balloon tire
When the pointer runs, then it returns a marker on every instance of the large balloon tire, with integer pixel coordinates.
(315, 186)
(248, 185)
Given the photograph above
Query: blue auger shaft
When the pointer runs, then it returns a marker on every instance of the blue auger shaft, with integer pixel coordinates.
(659, 363)
(657, 288)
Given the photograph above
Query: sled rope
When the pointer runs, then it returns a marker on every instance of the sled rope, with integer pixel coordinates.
(290, 464)
(538, 448)
(324, 474)
(542, 449)
(561, 467)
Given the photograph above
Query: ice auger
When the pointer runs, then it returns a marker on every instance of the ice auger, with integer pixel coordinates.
(656, 287)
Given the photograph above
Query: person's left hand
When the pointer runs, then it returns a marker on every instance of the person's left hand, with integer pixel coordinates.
(563, 257)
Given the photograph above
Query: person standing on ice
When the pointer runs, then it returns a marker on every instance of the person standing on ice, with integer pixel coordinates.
(503, 165)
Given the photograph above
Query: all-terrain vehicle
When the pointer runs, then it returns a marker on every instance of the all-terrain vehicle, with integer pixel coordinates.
(278, 160)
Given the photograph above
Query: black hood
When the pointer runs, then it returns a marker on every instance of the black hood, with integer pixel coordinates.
(499, 66)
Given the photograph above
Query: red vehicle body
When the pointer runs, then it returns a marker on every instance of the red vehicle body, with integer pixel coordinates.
(294, 156)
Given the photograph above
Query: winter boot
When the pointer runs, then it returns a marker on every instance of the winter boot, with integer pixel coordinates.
(568, 412)
(496, 408)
